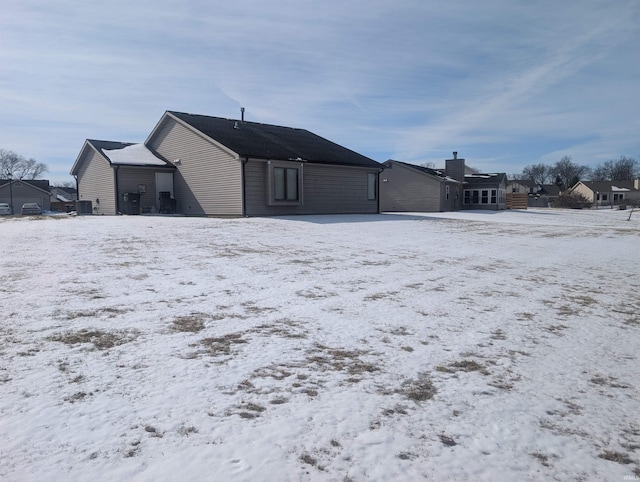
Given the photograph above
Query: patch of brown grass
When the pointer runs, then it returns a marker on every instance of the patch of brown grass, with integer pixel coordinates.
(463, 366)
(188, 324)
(222, 345)
(101, 340)
(418, 390)
(618, 457)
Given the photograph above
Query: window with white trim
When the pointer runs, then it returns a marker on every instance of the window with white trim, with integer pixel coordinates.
(484, 196)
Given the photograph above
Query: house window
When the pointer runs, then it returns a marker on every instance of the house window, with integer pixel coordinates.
(285, 183)
(494, 196)
(446, 189)
(485, 196)
(475, 197)
(605, 197)
(372, 182)
(467, 197)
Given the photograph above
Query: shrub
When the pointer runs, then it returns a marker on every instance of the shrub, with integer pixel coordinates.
(573, 201)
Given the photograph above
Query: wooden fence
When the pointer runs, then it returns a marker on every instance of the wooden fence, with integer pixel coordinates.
(517, 200)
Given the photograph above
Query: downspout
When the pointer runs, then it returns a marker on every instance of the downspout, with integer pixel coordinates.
(378, 190)
(77, 193)
(244, 180)
(115, 173)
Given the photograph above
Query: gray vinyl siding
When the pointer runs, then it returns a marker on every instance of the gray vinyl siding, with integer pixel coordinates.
(130, 179)
(404, 189)
(96, 181)
(326, 189)
(208, 181)
(19, 193)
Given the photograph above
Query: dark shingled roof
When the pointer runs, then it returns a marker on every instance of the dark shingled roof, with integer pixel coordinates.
(427, 170)
(550, 190)
(606, 186)
(525, 182)
(109, 145)
(265, 141)
(39, 183)
(481, 178)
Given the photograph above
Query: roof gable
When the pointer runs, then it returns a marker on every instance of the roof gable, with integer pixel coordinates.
(120, 153)
(40, 184)
(266, 141)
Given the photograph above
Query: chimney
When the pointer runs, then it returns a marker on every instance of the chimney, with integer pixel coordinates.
(455, 167)
(242, 114)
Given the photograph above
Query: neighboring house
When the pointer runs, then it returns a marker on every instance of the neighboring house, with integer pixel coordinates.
(539, 195)
(546, 196)
(20, 191)
(480, 191)
(63, 194)
(63, 199)
(226, 167)
(523, 186)
(118, 177)
(410, 188)
(608, 193)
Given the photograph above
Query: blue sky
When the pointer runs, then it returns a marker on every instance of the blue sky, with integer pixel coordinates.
(505, 83)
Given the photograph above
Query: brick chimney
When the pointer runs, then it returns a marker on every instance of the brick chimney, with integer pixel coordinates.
(455, 167)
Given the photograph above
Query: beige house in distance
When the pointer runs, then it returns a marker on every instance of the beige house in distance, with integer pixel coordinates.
(608, 193)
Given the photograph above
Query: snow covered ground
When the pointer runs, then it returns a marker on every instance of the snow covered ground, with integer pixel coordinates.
(451, 346)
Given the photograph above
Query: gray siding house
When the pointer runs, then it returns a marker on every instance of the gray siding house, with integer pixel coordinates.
(119, 177)
(227, 167)
(410, 188)
(481, 191)
(17, 192)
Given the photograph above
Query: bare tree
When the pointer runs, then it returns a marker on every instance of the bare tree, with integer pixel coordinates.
(624, 169)
(66, 185)
(567, 173)
(15, 166)
(430, 165)
(601, 172)
(539, 173)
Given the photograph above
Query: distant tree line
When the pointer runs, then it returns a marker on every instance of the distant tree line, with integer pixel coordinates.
(15, 166)
(565, 173)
